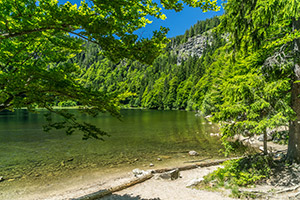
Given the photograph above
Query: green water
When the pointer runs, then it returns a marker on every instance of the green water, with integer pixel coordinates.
(141, 137)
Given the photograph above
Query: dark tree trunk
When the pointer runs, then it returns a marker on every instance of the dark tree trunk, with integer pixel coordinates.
(265, 143)
(294, 132)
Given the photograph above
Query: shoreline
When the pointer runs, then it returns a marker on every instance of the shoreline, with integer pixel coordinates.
(78, 184)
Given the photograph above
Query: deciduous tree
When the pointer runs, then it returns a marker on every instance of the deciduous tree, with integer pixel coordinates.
(35, 37)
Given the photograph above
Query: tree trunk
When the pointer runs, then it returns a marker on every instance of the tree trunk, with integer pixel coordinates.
(294, 132)
(265, 143)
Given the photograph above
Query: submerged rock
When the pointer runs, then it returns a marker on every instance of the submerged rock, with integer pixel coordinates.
(151, 165)
(1, 178)
(193, 153)
(171, 175)
(159, 159)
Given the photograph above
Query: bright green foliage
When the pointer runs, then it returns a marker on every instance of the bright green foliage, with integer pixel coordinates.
(251, 91)
(242, 172)
(249, 101)
(108, 23)
(36, 48)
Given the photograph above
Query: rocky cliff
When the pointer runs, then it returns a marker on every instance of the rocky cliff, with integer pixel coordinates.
(195, 46)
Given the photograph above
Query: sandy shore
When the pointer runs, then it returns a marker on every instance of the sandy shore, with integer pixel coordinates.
(169, 189)
(87, 182)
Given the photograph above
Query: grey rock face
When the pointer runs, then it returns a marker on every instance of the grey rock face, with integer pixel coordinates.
(195, 46)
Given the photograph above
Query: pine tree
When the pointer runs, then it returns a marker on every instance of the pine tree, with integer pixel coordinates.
(266, 33)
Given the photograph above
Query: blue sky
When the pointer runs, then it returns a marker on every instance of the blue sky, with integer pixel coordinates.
(178, 22)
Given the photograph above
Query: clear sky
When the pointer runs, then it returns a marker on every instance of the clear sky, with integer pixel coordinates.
(178, 22)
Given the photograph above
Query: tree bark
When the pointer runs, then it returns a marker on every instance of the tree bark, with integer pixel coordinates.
(294, 131)
(265, 143)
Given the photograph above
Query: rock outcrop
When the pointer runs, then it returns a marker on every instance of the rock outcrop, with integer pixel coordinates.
(195, 46)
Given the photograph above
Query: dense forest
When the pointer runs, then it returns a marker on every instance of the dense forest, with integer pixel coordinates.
(168, 83)
(242, 68)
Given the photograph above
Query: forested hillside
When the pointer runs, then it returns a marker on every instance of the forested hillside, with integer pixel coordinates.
(177, 79)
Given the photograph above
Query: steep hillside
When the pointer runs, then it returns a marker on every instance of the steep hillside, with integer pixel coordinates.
(173, 81)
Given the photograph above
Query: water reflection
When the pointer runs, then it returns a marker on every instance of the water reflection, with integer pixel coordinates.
(140, 136)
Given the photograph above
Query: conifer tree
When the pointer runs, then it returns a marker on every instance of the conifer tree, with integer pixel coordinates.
(267, 33)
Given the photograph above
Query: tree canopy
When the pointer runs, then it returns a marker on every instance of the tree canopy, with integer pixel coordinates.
(261, 91)
(35, 41)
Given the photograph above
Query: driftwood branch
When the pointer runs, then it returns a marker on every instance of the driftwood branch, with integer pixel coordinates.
(103, 193)
(288, 189)
(194, 166)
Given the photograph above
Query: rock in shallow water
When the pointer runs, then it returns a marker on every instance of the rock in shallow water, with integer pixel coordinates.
(193, 153)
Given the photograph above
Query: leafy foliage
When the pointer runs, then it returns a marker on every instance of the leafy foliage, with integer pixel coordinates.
(36, 46)
(242, 172)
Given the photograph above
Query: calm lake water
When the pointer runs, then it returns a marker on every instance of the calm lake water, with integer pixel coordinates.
(140, 138)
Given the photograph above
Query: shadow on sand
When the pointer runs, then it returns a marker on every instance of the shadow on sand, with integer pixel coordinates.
(97, 196)
(124, 197)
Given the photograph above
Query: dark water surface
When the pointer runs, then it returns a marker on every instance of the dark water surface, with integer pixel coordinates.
(140, 138)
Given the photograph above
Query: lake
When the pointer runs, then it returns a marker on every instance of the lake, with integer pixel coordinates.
(140, 138)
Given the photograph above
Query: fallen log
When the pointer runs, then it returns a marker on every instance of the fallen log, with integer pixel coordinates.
(195, 161)
(109, 191)
(194, 166)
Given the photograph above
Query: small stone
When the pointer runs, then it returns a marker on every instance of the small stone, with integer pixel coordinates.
(139, 173)
(136, 159)
(261, 137)
(261, 148)
(193, 153)
(195, 182)
(208, 116)
(159, 159)
(151, 165)
(279, 155)
(171, 175)
(1, 178)
(212, 184)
